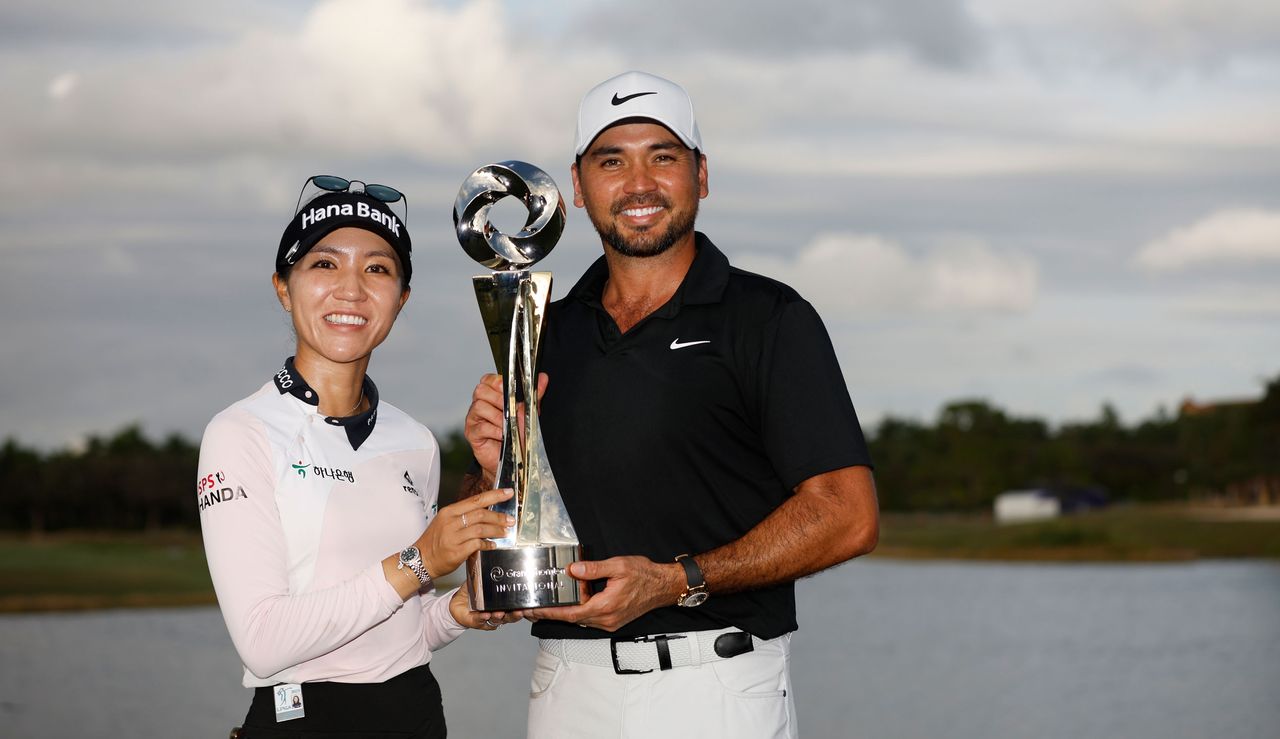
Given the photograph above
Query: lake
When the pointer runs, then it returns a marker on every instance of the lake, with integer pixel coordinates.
(886, 649)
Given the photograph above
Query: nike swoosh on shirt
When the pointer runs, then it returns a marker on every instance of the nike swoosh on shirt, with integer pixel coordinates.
(620, 100)
(675, 344)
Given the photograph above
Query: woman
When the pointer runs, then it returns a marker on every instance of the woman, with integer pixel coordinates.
(318, 501)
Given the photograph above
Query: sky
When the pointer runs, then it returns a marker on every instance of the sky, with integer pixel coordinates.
(1049, 206)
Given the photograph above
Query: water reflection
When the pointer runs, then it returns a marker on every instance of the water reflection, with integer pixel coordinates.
(885, 649)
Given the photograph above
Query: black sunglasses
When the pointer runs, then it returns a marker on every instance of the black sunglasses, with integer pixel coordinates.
(322, 183)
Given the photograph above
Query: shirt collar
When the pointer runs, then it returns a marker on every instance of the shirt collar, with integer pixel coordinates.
(358, 427)
(704, 282)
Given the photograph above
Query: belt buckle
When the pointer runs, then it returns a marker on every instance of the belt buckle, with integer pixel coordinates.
(613, 652)
(664, 656)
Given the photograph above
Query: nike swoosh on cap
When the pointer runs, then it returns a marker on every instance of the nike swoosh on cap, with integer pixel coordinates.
(620, 100)
(675, 344)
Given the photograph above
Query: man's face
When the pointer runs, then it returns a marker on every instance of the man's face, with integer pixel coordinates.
(640, 186)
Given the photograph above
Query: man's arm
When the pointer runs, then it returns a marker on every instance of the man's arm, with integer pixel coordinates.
(831, 518)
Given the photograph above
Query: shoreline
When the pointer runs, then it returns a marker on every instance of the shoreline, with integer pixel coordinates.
(73, 571)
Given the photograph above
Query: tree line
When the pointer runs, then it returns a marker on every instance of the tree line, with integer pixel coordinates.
(971, 452)
(974, 451)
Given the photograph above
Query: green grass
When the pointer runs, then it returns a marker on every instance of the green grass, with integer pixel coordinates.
(1119, 534)
(112, 570)
(102, 570)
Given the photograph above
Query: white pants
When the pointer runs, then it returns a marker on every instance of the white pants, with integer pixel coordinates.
(746, 697)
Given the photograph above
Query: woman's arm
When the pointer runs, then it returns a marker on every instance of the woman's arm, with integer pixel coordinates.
(271, 628)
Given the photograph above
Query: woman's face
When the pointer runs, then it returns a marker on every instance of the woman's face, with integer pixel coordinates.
(344, 296)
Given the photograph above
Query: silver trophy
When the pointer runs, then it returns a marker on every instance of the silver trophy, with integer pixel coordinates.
(527, 569)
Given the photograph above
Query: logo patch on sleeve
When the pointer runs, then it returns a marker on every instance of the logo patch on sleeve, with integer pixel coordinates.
(408, 486)
(221, 495)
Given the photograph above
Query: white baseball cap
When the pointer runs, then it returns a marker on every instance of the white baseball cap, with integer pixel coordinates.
(636, 95)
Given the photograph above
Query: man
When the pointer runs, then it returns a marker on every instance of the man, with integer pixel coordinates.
(703, 441)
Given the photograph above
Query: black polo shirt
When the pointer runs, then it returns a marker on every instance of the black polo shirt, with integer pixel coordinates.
(682, 434)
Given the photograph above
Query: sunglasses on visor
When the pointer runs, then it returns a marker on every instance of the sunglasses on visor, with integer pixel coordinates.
(326, 183)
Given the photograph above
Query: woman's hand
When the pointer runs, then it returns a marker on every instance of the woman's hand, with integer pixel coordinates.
(461, 529)
(460, 608)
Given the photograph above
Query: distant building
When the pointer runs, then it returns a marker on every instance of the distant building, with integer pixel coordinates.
(1038, 504)
(1014, 506)
(1192, 407)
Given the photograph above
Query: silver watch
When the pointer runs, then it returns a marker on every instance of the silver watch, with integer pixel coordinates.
(412, 559)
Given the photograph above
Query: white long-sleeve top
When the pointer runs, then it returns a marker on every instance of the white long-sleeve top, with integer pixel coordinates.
(298, 511)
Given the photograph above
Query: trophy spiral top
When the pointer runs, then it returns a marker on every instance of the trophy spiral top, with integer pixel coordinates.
(493, 182)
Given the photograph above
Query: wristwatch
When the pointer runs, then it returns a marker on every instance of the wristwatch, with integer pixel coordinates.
(412, 559)
(695, 592)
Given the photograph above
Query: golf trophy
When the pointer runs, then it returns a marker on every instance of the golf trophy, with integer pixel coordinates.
(527, 569)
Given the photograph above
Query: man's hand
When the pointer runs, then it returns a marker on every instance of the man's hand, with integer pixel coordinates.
(636, 585)
(483, 427)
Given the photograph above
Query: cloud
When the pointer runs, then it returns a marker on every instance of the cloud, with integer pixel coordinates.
(392, 79)
(1233, 306)
(777, 95)
(1158, 37)
(162, 142)
(854, 273)
(1126, 374)
(1228, 236)
(128, 23)
(1174, 30)
(63, 85)
(233, 120)
(938, 33)
(864, 115)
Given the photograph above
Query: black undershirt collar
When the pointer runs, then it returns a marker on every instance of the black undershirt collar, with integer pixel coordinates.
(358, 427)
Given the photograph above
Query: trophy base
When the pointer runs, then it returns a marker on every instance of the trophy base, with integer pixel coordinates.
(517, 578)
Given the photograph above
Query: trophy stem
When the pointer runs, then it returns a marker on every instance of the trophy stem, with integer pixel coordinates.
(528, 335)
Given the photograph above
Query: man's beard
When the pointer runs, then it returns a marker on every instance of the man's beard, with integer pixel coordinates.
(647, 244)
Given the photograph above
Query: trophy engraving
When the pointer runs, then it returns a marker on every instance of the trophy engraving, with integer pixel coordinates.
(527, 569)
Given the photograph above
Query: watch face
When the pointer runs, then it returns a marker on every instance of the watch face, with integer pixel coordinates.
(694, 599)
(409, 554)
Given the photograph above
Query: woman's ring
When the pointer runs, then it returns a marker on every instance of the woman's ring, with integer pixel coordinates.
(490, 624)
(464, 520)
